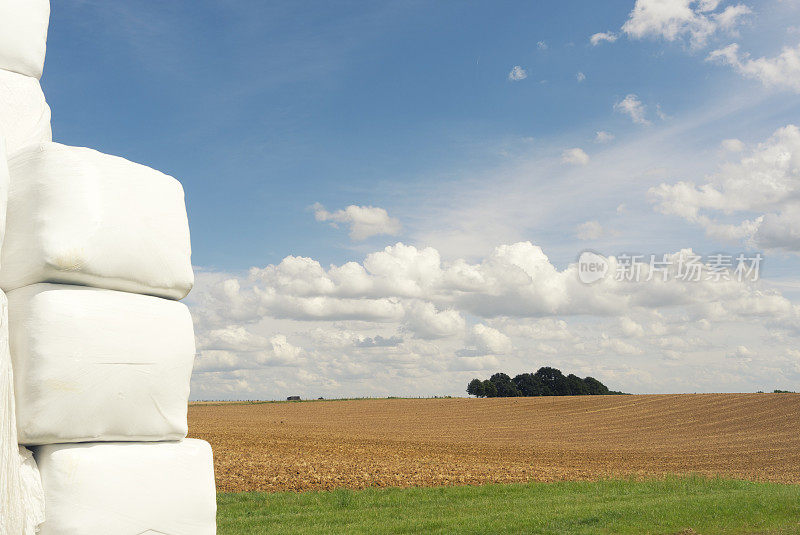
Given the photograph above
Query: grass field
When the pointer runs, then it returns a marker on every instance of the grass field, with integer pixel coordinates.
(670, 505)
(433, 442)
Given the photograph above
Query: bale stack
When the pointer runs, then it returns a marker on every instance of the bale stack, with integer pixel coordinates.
(96, 256)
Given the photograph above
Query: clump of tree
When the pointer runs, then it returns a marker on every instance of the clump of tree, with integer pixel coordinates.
(546, 381)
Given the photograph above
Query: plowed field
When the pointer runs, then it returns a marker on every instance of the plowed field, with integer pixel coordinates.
(425, 442)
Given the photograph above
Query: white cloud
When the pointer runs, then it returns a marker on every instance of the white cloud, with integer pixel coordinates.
(580, 77)
(619, 346)
(575, 156)
(590, 230)
(764, 186)
(512, 311)
(633, 108)
(517, 74)
(603, 137)
(781, 71)
(364, 221)
(694, 20)
(541, 45)
(431, 297)
(598, 38)
(489, 341)
(732, 145)
(424, 321)
(236, 347)
(631, 328)
(742, 353)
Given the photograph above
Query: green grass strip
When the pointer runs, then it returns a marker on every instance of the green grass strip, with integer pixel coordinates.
(690, 504)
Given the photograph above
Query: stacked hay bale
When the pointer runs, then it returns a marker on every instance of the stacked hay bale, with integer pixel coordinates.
(96, 256)
(24, 120)
(21, 494)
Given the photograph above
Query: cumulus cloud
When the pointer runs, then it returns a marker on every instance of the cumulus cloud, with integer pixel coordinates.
(764, 186)
(694, 20)
(575, 156)
(600, 37)
(781, 71)
(235, 347)
(424, 321)
(517, 74)
(364, 221)
(603, 137)
(590, 230)
(486, 340)
(404, 320)
(430, 296)
(633, 108)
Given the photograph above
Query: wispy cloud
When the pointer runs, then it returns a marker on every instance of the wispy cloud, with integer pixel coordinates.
(517, 74)
(764, 182)
(590, 230)
(601, 37)
(781, 71)
(602, 136)
(633, 108)
(576, 156)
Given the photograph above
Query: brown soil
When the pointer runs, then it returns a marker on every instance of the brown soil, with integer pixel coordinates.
(424, 442)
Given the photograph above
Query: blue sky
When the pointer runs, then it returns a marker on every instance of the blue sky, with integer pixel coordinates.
(263, 109)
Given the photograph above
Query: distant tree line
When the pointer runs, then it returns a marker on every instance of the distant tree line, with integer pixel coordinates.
(545, 382)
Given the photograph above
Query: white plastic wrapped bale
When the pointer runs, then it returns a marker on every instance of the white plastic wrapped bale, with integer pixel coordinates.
(21, 495)
(23, 35)
(77, 216)
(31, 491)
(99, 365)
(4, 185)
(128, 488)
(24, 113)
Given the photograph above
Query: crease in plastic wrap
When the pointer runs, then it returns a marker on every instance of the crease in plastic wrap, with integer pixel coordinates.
(24, 112)
(129, 488)
(21, 494)
(99, 365)
(78, 216)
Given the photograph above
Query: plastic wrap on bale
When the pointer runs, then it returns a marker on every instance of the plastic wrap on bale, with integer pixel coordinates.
(23, 35)
(77, 216)
(24, 113)
(21, 494)
(99, 365)
(128, 488)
